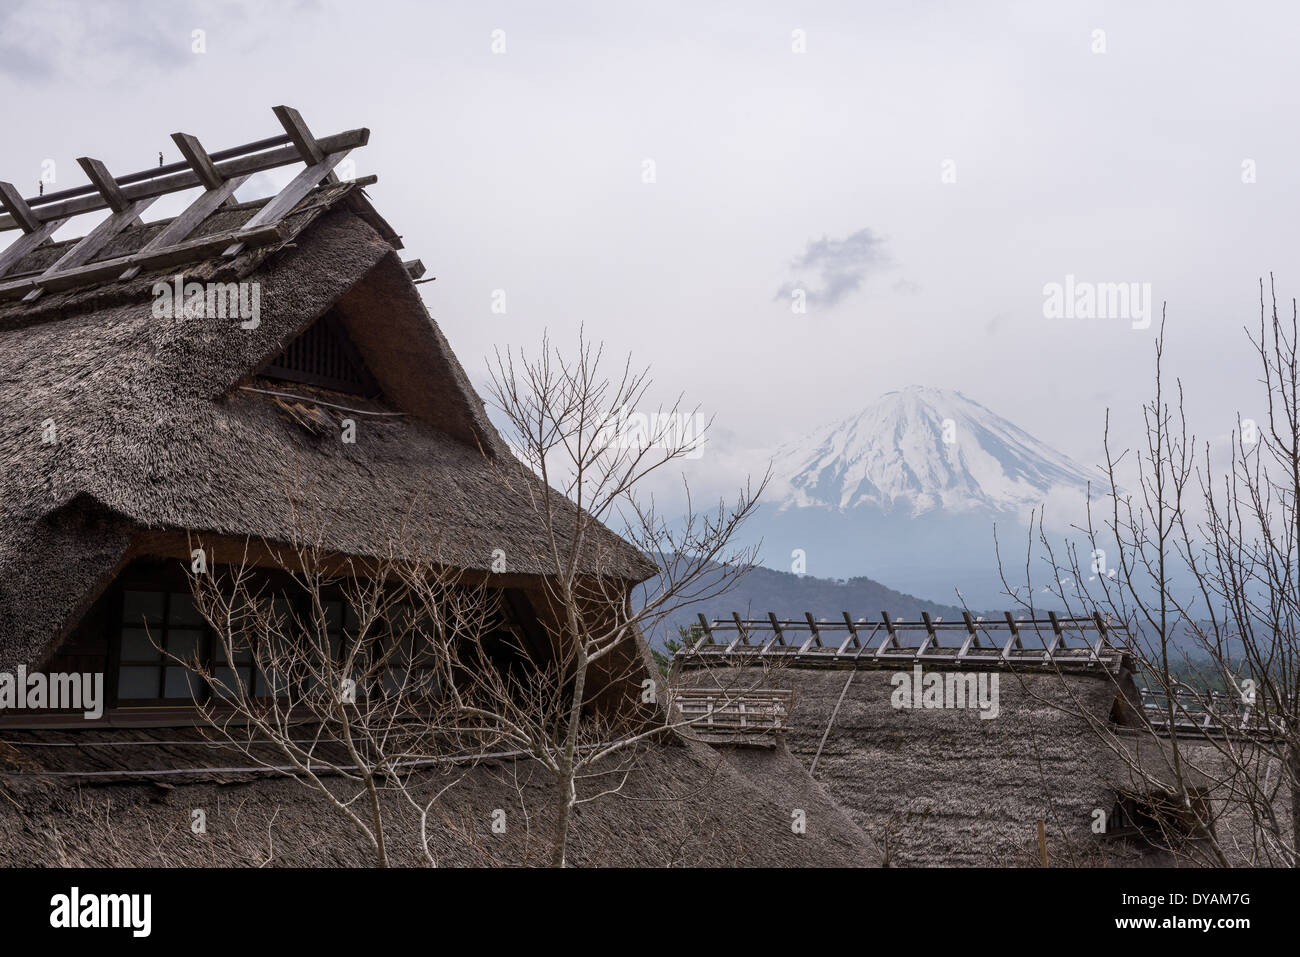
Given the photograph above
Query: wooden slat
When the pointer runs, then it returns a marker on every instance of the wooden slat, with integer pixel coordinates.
(1058, 636)
(1014, 629)
(931, 637)
(204, 168)
(303, 140)
(103, 181)
(180, 228)
(92, 243)
(707, 632)
(284, 201)
(890, 641)
(890, 649)
(285, 155)
(776, 628)
(742, 636)
(853, 634)
(307, 144)
(155, 172)
(1102, 637)
(25, 243)
(814, 635)
(972, 636)
(13, 201)
(196, 249)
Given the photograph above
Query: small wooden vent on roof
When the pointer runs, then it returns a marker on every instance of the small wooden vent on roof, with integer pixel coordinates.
(324, 356)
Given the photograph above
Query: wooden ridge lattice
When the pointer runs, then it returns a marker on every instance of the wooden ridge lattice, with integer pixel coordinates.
(127, 197)
(1051, 642)
(1209, 713)
(715, 711)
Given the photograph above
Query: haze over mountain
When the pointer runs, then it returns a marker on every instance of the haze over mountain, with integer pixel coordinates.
(908, 491)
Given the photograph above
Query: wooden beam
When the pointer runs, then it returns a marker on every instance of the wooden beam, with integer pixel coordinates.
(285, 155)
(91, 244)
(891, 637)
(931, 636)
(776, 627)
(1014, 629)
(103, 181)
(303, 140)
(814, 635)
(1102, 638)
(1058, 636)
(196, 249)
(972, 636)
(284, 201)
(866, 642)
(853, 633)
(154, 172)
(707, 632)
(740, 626)
(199, 160)
(25, 243)
(24, 215)
(180, 228)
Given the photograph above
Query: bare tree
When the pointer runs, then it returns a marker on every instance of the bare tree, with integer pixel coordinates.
(592, 441)
(336, 676)
(386, 681)
(1204, 583)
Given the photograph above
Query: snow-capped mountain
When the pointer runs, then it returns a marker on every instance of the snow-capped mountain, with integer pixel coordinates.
(920, 450)
(911, 492)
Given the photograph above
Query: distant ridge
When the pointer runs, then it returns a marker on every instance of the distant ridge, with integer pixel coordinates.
(789, 595)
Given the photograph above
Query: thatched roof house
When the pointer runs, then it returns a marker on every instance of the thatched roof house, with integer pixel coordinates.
(133, 429)
(127, 430)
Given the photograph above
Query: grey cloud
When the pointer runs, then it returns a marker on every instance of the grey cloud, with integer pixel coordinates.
(109, 39)
(840, 267)
(22, 65)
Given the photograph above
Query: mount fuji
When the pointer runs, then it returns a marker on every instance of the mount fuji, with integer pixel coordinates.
(908, 491)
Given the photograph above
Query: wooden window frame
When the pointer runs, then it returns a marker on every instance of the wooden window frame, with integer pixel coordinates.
(516, 610)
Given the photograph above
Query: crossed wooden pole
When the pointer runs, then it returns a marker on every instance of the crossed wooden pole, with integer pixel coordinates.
(126, 197)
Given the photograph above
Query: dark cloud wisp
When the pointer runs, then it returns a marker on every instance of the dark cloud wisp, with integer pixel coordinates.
(839, 266)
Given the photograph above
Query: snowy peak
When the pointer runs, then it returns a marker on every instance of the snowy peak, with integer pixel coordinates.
(922, 449)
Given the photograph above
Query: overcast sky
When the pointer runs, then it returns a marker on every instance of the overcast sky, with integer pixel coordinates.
(920, 172)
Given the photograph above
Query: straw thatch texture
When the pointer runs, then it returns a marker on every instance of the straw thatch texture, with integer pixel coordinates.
(945, 787)
(154, 431)
(51, 569)
(683, 805)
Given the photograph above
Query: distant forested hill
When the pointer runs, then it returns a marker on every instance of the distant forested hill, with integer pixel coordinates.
(789, 596)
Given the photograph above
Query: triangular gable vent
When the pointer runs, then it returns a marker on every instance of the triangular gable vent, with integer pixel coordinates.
(324, 356)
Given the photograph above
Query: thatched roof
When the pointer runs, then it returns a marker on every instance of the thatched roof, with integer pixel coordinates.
(683, 804)
(156, 429)
(944, 787)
